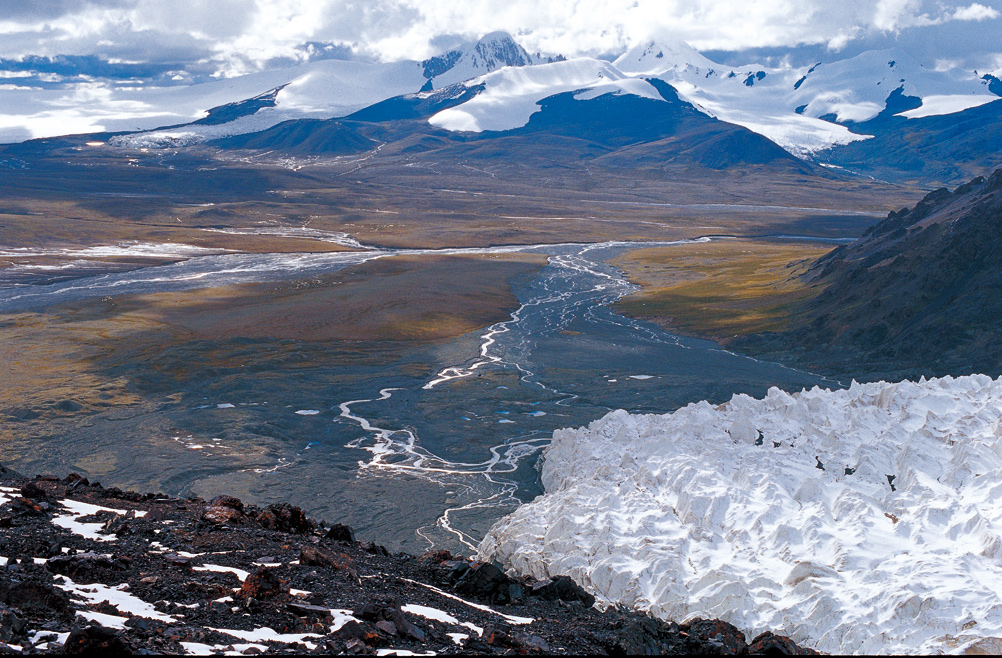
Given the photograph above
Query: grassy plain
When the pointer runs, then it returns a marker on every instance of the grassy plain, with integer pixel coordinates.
(720, 289)
(66, 363)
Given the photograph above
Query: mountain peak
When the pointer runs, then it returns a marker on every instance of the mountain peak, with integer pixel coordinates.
(495, 50)
(488, 53)
(661, 56)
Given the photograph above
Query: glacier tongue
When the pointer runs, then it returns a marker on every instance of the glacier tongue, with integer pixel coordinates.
(864, 520)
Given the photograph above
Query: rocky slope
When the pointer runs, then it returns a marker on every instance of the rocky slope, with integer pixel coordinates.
(917, 294)
(85, 568)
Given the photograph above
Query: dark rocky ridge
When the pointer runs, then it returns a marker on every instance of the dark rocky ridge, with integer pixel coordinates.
(917, 294)
(158, 557)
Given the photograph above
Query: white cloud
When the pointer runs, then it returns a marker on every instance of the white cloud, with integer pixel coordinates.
(235, 36)
(975, 12)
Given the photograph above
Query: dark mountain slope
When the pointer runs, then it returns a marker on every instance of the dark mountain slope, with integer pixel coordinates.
(233, 111)
(610, 130)
(936, 150)
(640, 131)
(919, 293)
(302, 137)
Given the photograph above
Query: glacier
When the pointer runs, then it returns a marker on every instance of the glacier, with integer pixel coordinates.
(863, 520)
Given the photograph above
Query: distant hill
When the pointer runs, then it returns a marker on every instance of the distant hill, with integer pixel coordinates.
(302, 137)
(931, 150)
(919, 293)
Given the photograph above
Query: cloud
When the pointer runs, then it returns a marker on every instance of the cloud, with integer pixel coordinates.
(975, 12)
(231, 37)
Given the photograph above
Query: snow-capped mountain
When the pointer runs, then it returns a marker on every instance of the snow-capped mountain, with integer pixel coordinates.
(490, 53)
(335, 88)
(493, 84)
(320, 89)
(511, 95)
(805, 109)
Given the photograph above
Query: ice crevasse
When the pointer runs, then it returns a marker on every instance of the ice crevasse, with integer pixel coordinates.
(864, 520)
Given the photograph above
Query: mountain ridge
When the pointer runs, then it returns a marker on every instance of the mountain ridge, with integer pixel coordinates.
(917, 294)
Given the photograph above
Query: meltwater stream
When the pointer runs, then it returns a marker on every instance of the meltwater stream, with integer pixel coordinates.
(412, 460)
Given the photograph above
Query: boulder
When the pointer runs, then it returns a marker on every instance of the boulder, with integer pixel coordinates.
(769, 644)
(12, 627)
(317, 557)
(223, 510)
(285, 518)
(96, 640)
(341, 532)
(263, 584)
(712, 636)
(34, 598)
(562, 588)
(86, 567)
(382, 610)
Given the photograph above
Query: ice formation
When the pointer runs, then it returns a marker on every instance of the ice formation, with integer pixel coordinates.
(864, 520)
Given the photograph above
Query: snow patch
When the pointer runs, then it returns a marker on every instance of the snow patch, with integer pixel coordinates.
(511, 619)
(78, 509)
(116, 596)
(947, 104)
(265, 634)
(512, 95)
(864, 520)
(239, 573)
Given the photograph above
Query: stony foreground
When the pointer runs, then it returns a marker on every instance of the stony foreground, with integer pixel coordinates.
(85, 568)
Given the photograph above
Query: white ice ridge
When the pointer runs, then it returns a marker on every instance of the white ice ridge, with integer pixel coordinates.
(779, 514)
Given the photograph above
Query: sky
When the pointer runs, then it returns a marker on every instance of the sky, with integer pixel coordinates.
(184, 39)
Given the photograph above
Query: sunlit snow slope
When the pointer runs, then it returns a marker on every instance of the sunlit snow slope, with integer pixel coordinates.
(786, 104)
(856, 521)
(512, 95)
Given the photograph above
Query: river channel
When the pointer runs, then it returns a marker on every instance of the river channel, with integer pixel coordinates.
(411, 460)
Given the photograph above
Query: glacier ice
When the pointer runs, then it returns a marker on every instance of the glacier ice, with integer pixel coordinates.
(864, 520)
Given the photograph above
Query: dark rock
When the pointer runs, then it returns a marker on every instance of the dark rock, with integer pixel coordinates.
(769, 644)
(117, 526)
(33, 598)
(375, 549)
(340, 532)
(389, 610)
(317, 557)
(562, 588)
(644, 637)
(386, 626)
(34, 492)
(223, 510)
(86, 567)
(96, 639)
(716, 637)
(530, 643)
(355, 634)
(285, 518)
(12, 627)
(74, 480)
(6, 521)
(311, 611)
(28, 507)
(263, 584)
(484, 581)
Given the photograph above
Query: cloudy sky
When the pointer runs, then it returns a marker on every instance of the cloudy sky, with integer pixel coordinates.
(145, 38)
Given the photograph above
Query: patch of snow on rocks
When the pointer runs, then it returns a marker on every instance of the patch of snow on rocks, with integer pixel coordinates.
(116, 596)
(265, 634)
(864, 520)
(79, 509)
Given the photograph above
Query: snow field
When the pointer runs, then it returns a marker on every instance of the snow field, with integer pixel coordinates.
(779, 514)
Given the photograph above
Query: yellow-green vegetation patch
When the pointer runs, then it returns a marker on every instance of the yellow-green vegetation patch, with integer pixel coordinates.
(720, 289)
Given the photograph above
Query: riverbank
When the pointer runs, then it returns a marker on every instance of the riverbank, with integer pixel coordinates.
(722, 289)
(85, 568)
